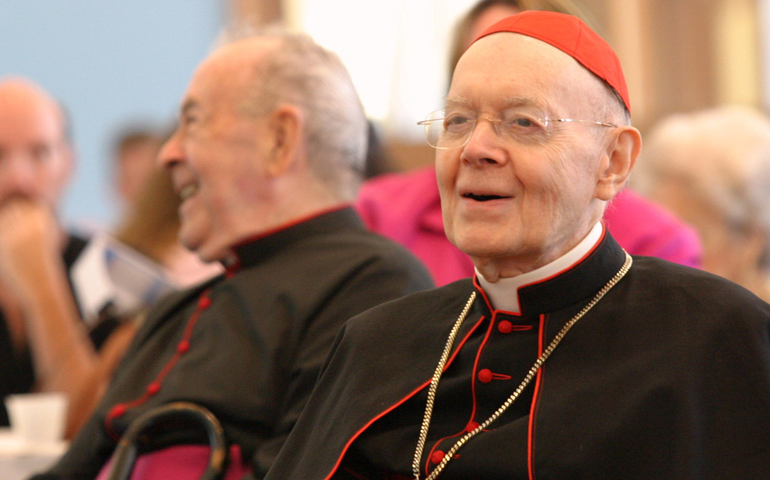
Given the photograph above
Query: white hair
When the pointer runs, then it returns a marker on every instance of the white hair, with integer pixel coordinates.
(721, 156)
(301, 72)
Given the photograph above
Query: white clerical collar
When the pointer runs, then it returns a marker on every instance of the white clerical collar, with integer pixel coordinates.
(504, 294)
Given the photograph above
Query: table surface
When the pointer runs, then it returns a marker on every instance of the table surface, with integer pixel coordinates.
(20, 459)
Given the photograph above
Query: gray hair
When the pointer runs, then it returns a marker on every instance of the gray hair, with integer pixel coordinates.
(615, 107)
(722, 157)
(301, 72)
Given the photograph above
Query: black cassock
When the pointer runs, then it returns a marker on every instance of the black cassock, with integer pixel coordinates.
(667, 377)
(254, 339)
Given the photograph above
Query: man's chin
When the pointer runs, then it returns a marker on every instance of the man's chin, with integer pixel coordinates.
(193, 244)
(209, 253)
(477, 244)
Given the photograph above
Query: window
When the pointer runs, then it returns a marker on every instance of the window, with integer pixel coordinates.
(395, 50)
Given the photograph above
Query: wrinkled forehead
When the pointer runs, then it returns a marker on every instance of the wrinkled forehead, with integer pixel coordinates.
(505, 66)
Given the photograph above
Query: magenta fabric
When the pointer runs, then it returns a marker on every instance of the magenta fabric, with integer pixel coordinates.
(406, 208)
(184, 462)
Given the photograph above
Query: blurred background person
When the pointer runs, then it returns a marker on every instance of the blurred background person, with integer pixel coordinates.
(712, 167)
(406, 206)
(135, 149)
(49, 339)
(38, 316)
(47, 343)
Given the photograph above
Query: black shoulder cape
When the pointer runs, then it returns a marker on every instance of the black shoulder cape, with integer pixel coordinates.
(668, 377)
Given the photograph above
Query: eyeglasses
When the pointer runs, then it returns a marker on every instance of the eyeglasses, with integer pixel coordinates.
(453, 129)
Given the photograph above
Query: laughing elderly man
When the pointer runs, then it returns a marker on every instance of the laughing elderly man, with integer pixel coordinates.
(266, 158)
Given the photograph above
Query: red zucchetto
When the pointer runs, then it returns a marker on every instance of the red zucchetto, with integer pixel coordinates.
(573, 37)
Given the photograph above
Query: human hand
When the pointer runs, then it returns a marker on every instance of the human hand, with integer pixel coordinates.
(30, 243)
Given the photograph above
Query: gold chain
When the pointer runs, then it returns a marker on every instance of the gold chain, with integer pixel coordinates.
(528, 378)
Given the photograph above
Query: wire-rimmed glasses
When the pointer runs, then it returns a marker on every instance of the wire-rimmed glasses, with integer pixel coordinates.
(453, 130)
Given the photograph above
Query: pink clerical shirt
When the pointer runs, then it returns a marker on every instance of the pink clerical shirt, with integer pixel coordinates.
(406, 208)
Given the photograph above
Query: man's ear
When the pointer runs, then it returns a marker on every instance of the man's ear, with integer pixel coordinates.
(620, 157)
(286, 125)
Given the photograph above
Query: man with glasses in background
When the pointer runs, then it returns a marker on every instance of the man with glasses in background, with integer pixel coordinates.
(564, 357)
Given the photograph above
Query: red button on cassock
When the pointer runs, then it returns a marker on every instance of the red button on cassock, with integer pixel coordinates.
(183, 346)
(204, 302)
(505, 326)
(485, 376)
(437, 456)
(117, 411)
(471, 426)
(153, 388)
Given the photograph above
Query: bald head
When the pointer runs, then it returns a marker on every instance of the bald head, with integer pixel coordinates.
(573, 37)
(24, 99)
(35, 158)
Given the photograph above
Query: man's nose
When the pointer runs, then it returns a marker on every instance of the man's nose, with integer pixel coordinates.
(484, 144)
(17, 175)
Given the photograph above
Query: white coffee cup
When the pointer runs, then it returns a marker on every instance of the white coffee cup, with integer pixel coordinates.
(37, 417)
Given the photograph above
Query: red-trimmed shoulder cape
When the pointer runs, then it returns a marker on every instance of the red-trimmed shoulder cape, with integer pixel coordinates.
(667, 377)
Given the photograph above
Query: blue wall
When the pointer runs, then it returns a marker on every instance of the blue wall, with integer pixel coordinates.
(110, 62)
